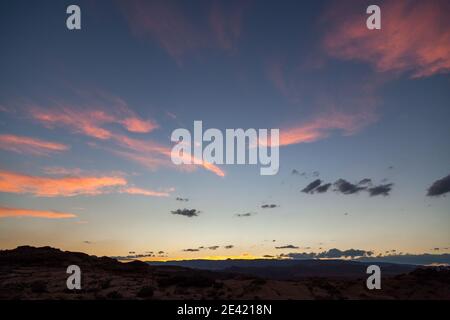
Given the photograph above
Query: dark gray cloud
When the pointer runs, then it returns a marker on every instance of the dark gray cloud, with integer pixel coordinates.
(368, 256)
(365, 181)
(268, 256)
(87, 242)
(132, 255)
(300, 255)
(418, 259)
(247, 214)
(310, 187)
(443, 248)
(352, 253)
(382, 189)
(315, 173)
(181, 199)
(289, 246)
(323, 188)
(269, 206)
(439, 187)
(296, 172)
(346, 187)
(330, 254)
(230, 246)
(186, 212)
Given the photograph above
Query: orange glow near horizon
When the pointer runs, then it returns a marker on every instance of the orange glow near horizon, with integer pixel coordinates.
(180, 258)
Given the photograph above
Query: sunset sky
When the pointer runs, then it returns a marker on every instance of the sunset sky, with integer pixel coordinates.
(86, 117)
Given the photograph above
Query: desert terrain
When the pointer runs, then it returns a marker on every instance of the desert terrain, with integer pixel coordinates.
(29, 273)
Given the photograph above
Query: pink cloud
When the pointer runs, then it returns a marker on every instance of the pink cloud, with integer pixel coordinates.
(27, 145)
(92, 122)
(148, 153)
(13, 182)
(164, 22)
(92, 115)
(146, 192)
(6, 212)
(63, 171)
(135, 124)
(322, 125)
(414, 36)
(346, 109)
(226, 23)
(275, 73)
(70, 185)
(86, 122)
(149, 161)
(179, 34)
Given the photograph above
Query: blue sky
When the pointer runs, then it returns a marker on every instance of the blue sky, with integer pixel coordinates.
(86, 118)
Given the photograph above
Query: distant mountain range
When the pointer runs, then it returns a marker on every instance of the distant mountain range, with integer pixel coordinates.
(291, 269)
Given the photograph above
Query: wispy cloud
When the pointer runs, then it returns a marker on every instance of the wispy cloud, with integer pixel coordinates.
(134, 124)
(92, 121)
(289, 246)
(322, 125)
(144, 153)
(18, 213)
(71, 185)
(146, 192)
(63, 171)
(28, 145)
(95, 122)
(171, 26)
(13, 182)
(164, 22)
(346, 113)
(414, 36)
(226, 22)
(276, 73)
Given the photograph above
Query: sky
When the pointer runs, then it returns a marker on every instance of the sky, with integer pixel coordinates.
(86, 118)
